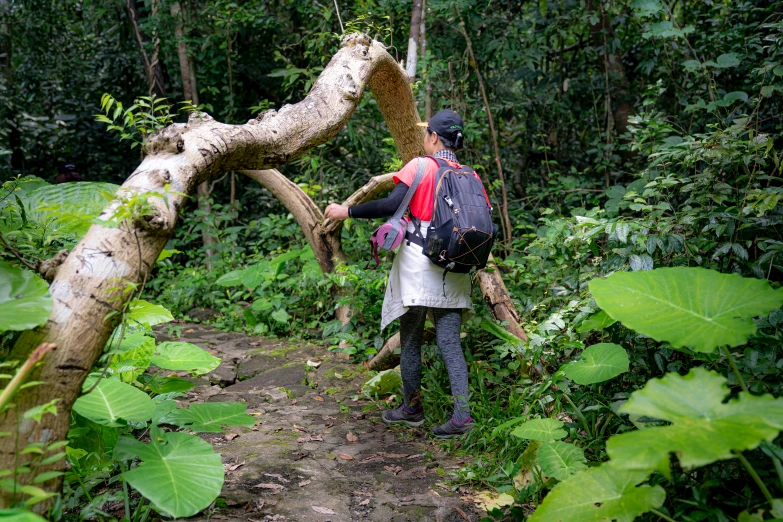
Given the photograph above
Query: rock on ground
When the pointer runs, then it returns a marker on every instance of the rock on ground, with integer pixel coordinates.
(319, 451)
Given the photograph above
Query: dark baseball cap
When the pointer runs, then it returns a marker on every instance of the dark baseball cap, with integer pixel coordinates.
(62, 168)
(446, 124)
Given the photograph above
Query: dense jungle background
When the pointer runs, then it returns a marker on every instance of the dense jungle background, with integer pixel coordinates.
(615, 137)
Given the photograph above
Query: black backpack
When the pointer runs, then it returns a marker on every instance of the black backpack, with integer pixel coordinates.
(461, 232)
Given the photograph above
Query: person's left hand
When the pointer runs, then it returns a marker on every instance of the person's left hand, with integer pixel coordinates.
(336, 212)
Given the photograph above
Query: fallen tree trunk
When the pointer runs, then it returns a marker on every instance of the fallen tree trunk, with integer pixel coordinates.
(89, 284)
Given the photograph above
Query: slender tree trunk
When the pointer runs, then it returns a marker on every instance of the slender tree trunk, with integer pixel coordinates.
(153, 66)
(187, 70)
(413, 40)
(425, 72)
(505, 220)
(9, 110)
(88, 285)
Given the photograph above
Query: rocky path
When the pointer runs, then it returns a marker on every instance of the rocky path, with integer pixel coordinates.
(319, 451)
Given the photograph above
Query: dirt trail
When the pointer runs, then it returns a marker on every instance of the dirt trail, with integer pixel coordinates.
(315, 454)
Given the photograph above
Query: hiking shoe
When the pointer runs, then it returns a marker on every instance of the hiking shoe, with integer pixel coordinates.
(404, 415)
(452, 429)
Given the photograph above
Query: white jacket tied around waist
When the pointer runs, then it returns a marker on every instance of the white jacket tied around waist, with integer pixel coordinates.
(414, 280)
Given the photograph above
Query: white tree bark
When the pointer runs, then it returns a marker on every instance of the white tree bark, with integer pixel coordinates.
(413, 40)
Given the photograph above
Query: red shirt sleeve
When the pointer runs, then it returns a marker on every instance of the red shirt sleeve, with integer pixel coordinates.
(407, 173)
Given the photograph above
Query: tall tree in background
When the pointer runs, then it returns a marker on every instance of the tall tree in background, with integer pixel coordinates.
(187, 69)
(153, 65)
(413, 40)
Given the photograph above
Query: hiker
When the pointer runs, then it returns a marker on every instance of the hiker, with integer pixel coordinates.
(417, 285)
(66, 172)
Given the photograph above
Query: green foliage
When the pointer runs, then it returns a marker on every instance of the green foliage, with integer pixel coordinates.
(145, 116)
(24, 299)
(693, 307)
(598, 363)
(385, 382)
(113, 403)
(184, 356)
(703, 427)
(180, 473)
(210, 417)
(599, 494)
(560, 459)
(545, 430)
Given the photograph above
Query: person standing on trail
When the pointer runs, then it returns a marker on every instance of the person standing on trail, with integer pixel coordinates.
(417, 285)
(66, 173)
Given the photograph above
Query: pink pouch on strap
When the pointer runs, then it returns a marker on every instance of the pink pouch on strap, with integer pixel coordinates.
(389, 235)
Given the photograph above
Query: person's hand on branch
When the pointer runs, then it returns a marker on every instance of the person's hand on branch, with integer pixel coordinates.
(336, 212)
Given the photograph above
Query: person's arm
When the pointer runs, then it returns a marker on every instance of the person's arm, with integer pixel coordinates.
(379, 208)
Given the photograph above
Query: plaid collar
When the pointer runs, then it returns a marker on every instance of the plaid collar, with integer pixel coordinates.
(447, 155)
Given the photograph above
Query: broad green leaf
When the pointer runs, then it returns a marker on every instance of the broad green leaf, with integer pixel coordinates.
(160, 384)
(19, 515)
(599, 363)
(727, 60)
(599, 494)
(37, 412)
(703, 428)
(210, 417)
(597, 321)
(545, 430)
(69, 207)
(147, 313)
(24, 299)
(130, 364)
(113, 403)
(693, 307)
(734, 96)
(184, 356)
(560, 459)
(165, 254)
(179, 473)
(646, 7)
(281, 316)
(387, 381)
(500, 332)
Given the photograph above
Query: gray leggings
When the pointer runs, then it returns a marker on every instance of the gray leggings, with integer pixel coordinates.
(447, 325)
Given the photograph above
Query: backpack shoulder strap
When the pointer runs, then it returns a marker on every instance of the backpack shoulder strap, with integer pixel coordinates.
(404, 205)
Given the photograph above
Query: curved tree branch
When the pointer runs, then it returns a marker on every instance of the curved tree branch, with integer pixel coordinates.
(89, 285)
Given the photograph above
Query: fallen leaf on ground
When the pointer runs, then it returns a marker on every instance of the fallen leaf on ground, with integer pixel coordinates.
(314, 364)
(337, 375)
(407, 500)
(310, 438)
(394, 469)
(362, 493)
(190, 330)
(364, 502)
(293, 402)
(275, 487)
(322, 510)
(379, 456)
(488, 501)
(233, 467)
(275, 475)
(329, 425)
(304, 483)
(302, 454)
(328, 417)
(231, 436)
(300, 429)
(345, 456)
(351, 436)
(318, 398)
(411, 457)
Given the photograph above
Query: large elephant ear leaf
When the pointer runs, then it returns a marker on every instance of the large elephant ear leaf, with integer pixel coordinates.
(560, 459)
(598, 363)
(703, 428)
(544, 430)
(600, 494)
(144, 312)
(687, 306)
(24, 299)
(184, 356)
(113, 403)
(210, 417)
(180, 473)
